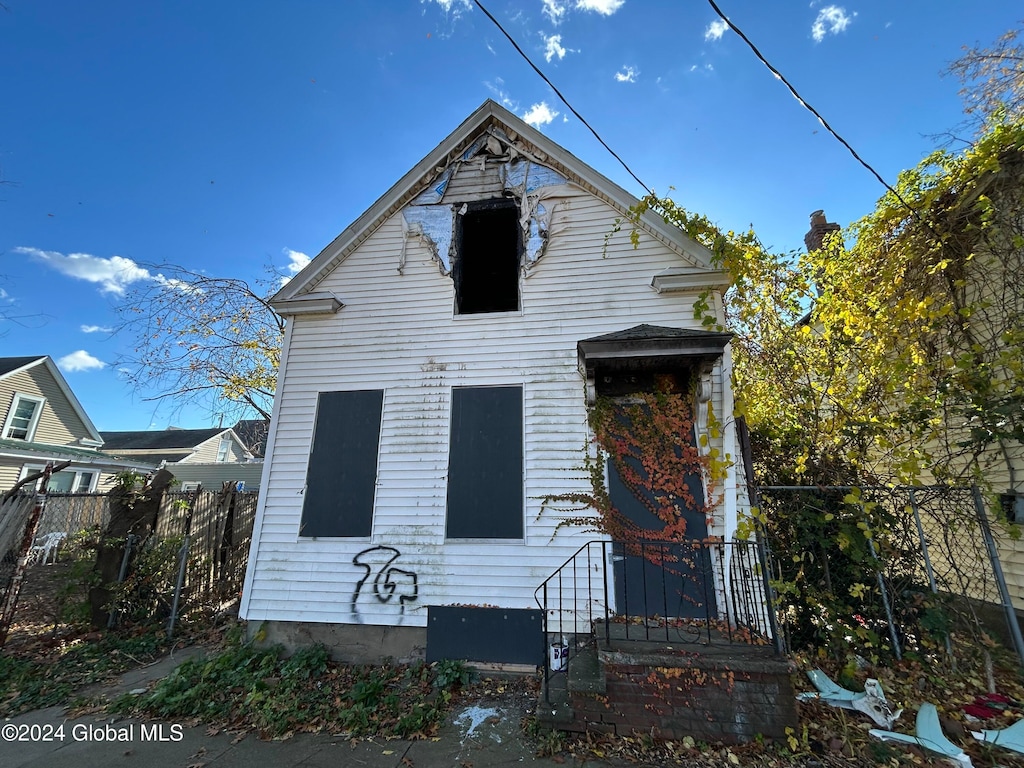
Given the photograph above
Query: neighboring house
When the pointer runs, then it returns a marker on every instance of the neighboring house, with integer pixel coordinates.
(44, 422)
(999, 468)
(253, 434)
(207, 457)
(433, 390)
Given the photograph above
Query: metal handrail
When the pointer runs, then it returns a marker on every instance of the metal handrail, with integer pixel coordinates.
(705, 591)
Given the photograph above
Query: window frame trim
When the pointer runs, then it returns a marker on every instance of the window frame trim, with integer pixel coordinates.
(28, 469)
(40, 402)
(477, 206)
(225, 448)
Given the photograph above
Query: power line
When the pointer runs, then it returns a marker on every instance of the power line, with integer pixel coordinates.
(560, 96)
(815, 112)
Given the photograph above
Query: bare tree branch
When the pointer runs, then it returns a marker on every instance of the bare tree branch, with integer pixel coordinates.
(206, 340)
(992, 80)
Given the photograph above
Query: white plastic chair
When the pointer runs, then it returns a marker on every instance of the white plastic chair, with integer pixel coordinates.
(47, 547)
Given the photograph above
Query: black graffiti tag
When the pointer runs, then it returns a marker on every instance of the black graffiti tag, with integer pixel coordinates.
(387, 579)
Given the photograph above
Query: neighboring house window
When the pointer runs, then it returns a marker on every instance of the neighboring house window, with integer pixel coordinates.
(485, 464)
(23, 417)
(225, 448)
(66, 481)
(342, 473)
(1012, 503)
(486, 264)
(83, 483)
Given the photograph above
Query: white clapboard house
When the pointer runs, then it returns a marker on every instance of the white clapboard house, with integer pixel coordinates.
(433, 390)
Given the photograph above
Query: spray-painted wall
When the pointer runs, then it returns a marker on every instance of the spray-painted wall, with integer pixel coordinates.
(398, 332)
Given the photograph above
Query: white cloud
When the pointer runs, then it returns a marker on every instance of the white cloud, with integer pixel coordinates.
(716, 29)
(558, 10)
(297, 260)
(555, 10)
(707, 67)
(831, 18)
(179, 285)
(113, 275)
(627, 75)
(95, 329)
(452, 7)
(80, 361)
(540, 114)
(553, 47)
(497, 89)
(604, 7)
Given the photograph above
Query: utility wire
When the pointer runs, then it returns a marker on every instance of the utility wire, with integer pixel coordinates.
(560, 96)
(817, 114)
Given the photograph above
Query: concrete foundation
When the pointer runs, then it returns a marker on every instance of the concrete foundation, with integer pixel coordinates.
(348, 643)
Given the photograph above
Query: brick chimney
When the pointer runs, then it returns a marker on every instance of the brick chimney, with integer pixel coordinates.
(819, 228)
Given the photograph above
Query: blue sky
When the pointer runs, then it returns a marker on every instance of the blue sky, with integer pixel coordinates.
(228, 136)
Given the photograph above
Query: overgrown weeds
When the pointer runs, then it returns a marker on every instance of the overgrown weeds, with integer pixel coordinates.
(42, 679)
(254, 688)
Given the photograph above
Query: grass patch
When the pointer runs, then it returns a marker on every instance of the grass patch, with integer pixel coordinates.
(256, 688)
(37, 680)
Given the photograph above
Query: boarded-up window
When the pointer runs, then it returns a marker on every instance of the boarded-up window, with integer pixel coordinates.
(485, 465)
(342, 471)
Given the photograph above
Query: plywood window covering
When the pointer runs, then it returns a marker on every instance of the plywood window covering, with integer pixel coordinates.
(342, 471)
(485, 465)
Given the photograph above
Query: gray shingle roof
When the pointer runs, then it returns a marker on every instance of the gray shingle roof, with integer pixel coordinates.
(47, 452)
(8, 364)
(168, 439)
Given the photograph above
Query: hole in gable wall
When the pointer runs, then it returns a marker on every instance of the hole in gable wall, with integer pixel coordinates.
(485, 267)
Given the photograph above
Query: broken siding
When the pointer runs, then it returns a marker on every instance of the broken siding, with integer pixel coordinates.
(58, 423)
(398, 333)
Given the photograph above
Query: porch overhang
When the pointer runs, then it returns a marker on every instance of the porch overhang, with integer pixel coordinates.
(649, 348)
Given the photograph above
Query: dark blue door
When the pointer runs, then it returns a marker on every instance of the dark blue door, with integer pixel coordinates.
(652, 576)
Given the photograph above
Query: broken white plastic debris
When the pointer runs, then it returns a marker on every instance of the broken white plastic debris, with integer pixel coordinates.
(871, 702)
(1011, 738)
(929, 736)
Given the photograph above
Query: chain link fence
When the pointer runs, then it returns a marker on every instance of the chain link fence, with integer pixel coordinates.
(887, 570)
(196, 556)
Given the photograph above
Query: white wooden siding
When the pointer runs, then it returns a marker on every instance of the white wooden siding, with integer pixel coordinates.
(398, 333)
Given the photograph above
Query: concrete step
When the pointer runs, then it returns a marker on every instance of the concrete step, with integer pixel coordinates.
(585, 673)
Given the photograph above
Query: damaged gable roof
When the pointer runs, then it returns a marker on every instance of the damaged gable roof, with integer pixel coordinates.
(488, 123)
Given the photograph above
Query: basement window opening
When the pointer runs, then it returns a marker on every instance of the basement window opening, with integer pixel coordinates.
(486, 267)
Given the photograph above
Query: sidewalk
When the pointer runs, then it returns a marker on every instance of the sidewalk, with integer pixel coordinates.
(484, 734)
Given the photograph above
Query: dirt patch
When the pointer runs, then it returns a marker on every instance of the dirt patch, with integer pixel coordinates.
(42, 604)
